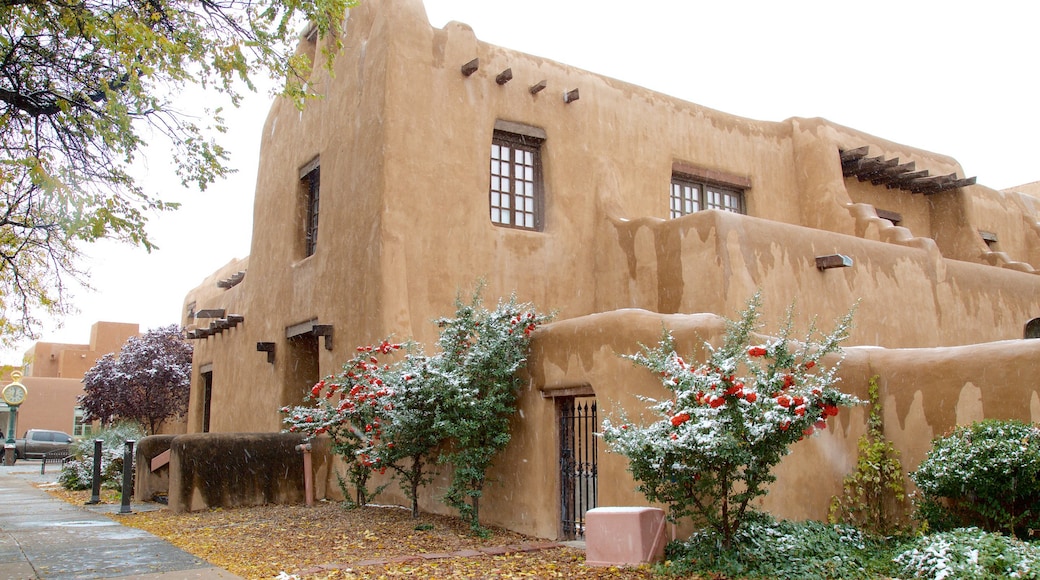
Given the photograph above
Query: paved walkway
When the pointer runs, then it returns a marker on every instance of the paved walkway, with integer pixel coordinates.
(44, 537)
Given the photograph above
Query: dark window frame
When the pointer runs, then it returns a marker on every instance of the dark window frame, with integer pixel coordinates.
(310, 182)
(507, 206)
(709, 195)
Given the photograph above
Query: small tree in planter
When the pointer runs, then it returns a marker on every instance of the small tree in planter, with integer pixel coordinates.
(730, 420)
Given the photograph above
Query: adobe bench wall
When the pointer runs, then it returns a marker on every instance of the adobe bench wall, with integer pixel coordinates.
(148, 481)
(234, 469)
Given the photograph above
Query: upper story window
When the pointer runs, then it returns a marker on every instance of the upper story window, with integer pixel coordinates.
(310, 182)
(695, 189)
(516, 191)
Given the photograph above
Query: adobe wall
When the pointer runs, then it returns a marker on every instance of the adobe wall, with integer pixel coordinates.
(402, 139)
(43, 358)
(905, 294)
(925, 392)
(71, 361)
(228, 370)
(243, 469)
(109, 337)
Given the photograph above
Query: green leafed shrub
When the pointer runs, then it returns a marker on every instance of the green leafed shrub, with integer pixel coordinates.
(729, 420)
(969, 553)
(986, 474)
(876, 485)
(764, 548)
(78, 472)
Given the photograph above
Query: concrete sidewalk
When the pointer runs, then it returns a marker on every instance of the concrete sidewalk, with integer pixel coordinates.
(44, 537)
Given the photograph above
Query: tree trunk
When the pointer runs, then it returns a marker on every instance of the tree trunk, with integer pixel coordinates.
(416, 477)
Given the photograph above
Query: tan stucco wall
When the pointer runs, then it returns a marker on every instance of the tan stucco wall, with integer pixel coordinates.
(403, 139)
(925, 392)
(905, 295)
(43, 359)
(54, 375)
(70, 361)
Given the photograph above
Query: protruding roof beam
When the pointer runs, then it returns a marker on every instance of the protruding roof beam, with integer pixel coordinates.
(892, 174)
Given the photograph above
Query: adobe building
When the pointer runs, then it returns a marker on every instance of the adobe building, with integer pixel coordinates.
(53, 376)
(435, 160)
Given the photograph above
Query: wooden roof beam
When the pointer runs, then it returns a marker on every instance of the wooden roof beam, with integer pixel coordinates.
(903, 180)
(877, 169)
(956, 183)
(931, 184)
(853, 154)
(859, 166)
(891, 173)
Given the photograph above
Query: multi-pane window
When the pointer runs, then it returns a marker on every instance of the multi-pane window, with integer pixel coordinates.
(690, 195)
(311, 181)
(80, 427)
(516, 181)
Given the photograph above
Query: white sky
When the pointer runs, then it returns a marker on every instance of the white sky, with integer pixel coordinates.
(953, 77)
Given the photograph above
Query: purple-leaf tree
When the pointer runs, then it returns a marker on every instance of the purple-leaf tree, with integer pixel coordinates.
(148, 382)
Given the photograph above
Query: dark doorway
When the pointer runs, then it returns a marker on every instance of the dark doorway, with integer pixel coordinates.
(207, 399)
(577, 463)
(303, 366)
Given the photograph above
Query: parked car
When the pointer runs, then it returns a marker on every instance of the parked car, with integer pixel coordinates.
(38, 442)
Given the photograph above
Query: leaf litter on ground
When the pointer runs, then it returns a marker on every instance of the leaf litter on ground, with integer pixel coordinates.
(331, 541)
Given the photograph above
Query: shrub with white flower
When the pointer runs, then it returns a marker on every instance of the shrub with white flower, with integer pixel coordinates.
(730, 420)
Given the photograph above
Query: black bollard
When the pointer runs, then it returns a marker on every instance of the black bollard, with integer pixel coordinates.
(95, 484)
(128, 477)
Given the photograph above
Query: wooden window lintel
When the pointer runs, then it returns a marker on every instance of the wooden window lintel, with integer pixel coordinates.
(712, 175)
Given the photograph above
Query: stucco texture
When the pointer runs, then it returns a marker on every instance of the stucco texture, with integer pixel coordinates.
(402, 139)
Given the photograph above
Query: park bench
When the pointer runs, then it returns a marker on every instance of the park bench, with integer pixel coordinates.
(57, 457)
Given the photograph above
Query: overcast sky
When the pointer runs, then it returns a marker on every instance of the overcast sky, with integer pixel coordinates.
(953, 77)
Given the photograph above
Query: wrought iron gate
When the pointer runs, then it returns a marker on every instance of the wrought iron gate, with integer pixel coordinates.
(577, 463)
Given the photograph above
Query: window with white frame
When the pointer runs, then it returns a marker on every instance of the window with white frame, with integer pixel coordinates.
(80, 426)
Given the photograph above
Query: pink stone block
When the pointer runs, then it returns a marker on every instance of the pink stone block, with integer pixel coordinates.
(623, 536)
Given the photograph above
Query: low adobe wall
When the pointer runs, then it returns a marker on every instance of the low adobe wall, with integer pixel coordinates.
(150, 481)
(235, 469)
(925, 393)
